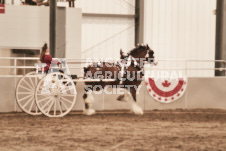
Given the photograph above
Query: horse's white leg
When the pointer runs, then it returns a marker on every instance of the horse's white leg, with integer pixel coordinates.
(127, 97)
(134, 107)
(88, 99)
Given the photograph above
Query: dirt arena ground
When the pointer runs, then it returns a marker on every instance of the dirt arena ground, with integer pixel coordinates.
(155, 130)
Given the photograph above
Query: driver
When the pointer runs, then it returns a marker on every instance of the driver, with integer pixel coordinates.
(45, 57)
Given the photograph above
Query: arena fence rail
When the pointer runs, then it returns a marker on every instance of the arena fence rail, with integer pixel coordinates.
(202, 92)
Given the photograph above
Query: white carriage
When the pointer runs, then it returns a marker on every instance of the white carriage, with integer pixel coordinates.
(52, 94)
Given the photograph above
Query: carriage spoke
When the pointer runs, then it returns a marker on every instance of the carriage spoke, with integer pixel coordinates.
(54, 107)
(66, 84)
(36, 81)
(31, 82)
(43, 99)
(36, 109)
(58, 85)
(46, 104)
(48, 110)
(24, 93)
(69, 101)
(31, 106)
(28, 84)
(70, 95)
(30, 95)
(27, 102)
(64, 105)
(25, 88)
(47, 94)
(58, 102)
(66, 90)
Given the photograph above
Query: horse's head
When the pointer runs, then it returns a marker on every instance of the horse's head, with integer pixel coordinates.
(122, 55)
(142, 53)
(150, 55)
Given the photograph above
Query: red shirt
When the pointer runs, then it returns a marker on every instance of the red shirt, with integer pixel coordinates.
(48, 60)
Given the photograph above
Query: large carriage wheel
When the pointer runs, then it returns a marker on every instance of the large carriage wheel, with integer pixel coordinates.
(55, 94)
(25, 93)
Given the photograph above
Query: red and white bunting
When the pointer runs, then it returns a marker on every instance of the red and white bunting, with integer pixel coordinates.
(166, 91)
(2, 9)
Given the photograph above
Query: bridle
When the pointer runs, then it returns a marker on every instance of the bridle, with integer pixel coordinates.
(128, 60)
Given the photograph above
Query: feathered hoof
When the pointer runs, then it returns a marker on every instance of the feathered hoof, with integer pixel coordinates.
(120, 98)
(137, 110)
(89, 111)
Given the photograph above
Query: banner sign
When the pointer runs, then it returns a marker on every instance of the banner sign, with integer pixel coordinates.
(166, 91)
(2, 9)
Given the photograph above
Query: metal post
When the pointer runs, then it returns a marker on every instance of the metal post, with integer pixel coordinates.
(15, 83)
(186, 93)
(15, 66)
(224, 68)
(52, 27)
(137, 17)
(139, 21)
(220, 48)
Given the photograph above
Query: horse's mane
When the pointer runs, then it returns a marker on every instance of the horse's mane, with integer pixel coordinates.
(138, 48)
